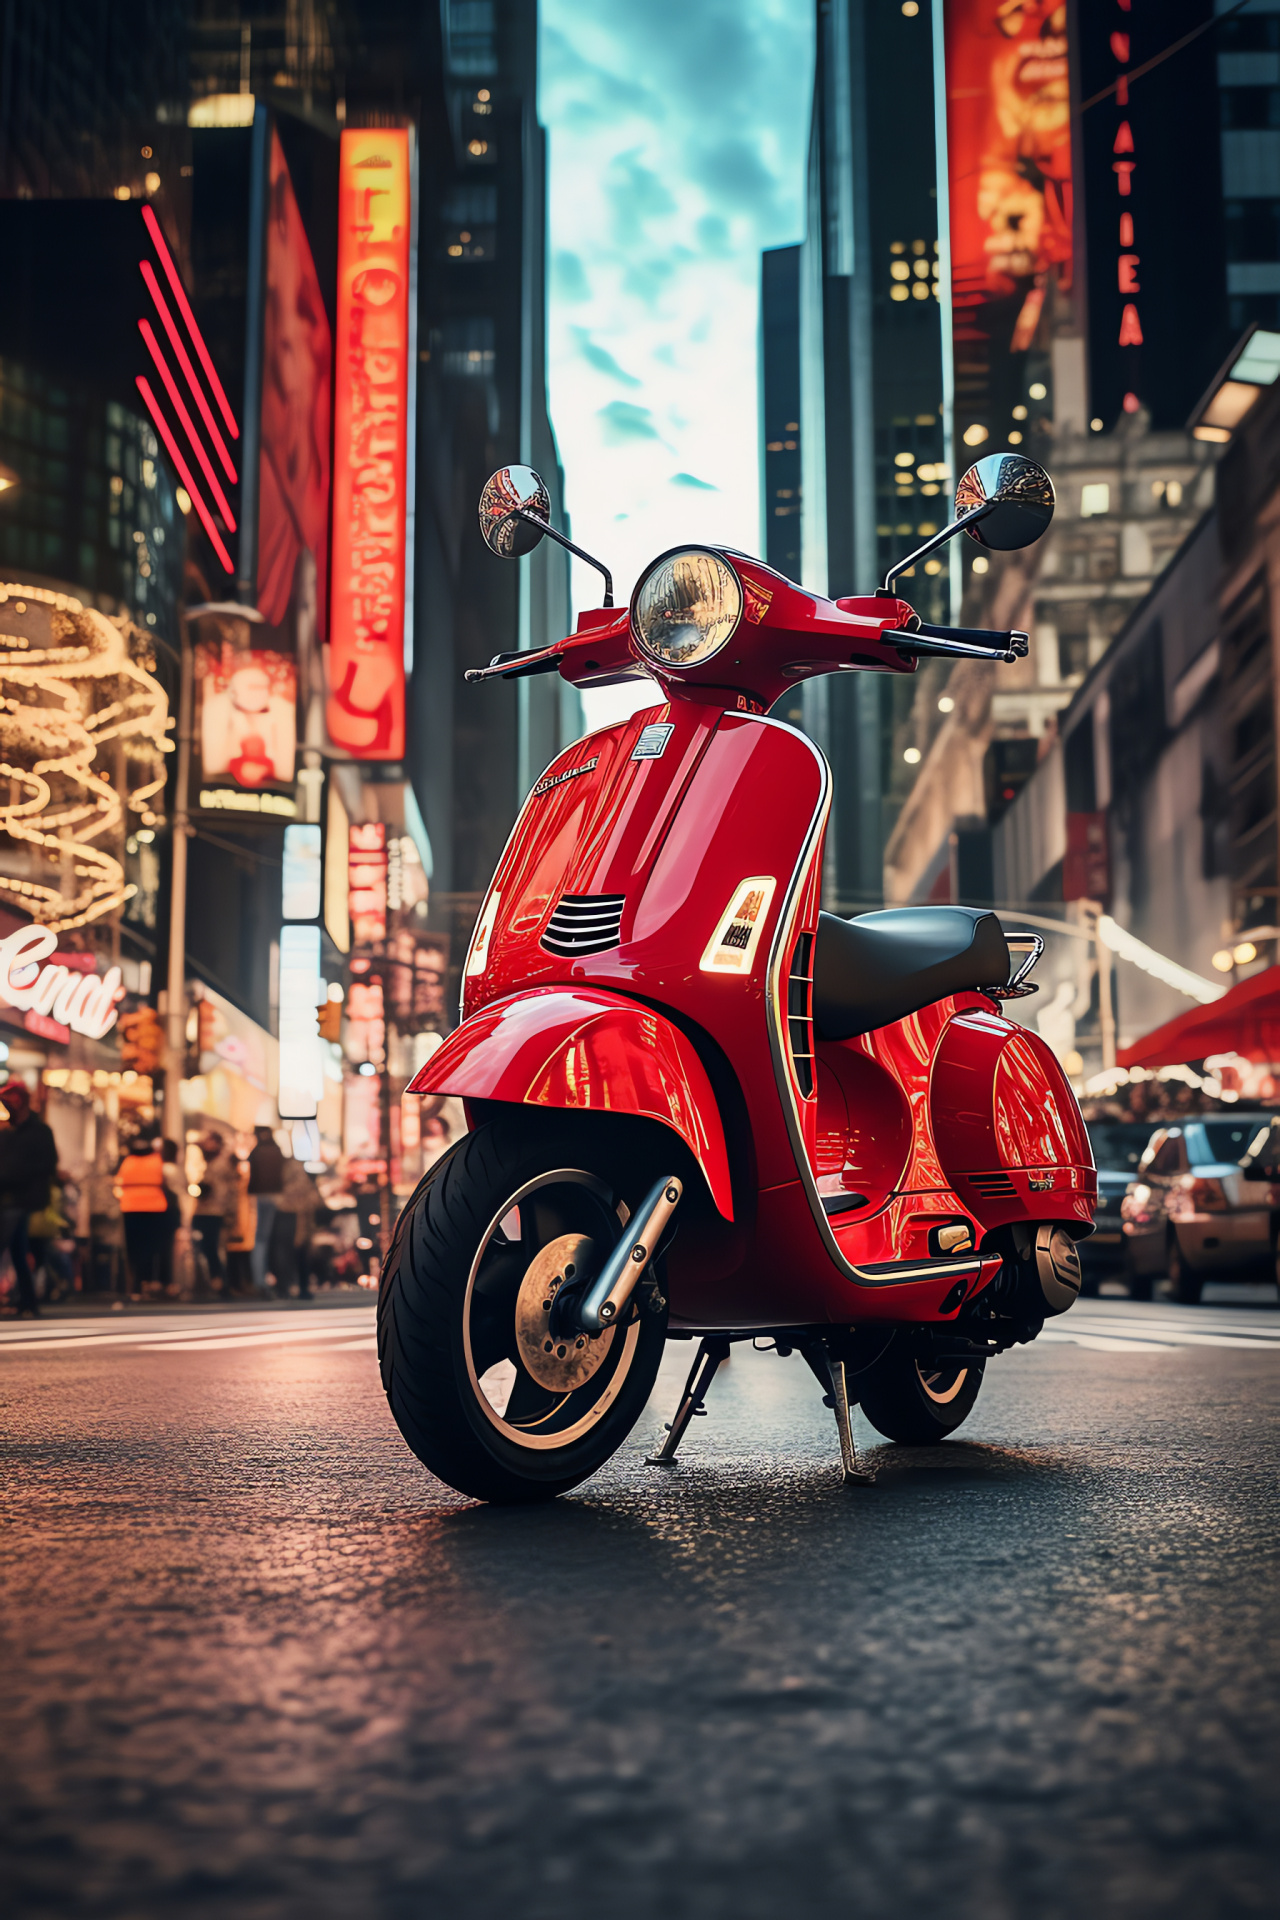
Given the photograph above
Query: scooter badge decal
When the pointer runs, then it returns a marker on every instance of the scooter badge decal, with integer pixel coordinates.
(558, 779)
(732, 947)
(652, 743)
(756, 601)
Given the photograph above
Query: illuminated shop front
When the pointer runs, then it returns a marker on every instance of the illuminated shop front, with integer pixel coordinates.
(83, 741)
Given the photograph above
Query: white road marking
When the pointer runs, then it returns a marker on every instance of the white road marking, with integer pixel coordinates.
(1101, 1343)
(1119, 1327)
(178, 1333)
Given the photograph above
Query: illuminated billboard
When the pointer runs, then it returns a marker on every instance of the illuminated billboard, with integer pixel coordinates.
(248, 709)
(370, 447)
(1010, 194)
(293, 463)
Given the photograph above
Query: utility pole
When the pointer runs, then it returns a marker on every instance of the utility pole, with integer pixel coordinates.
(180, 833)
(176, 995)
(1106, 1009)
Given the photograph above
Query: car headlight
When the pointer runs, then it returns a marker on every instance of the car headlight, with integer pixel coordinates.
(686, 607)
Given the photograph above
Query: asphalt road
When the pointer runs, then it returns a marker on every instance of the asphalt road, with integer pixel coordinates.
(258, 1664)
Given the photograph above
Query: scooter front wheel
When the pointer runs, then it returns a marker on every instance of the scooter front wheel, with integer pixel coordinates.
(489, 1391)
(917, 1402)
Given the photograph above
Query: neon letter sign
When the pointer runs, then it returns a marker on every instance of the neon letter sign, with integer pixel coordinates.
(370, 444)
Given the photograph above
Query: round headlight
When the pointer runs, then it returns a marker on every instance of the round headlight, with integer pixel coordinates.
(687, 607)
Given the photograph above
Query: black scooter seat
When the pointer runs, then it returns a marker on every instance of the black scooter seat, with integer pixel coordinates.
(882, 966)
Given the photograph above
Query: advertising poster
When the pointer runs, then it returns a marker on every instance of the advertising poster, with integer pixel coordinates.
(371, 437)
(367, 882)
(297, 346)
(248, 706)
(1010, 189)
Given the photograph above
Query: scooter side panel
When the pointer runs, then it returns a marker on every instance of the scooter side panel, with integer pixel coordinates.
(1009, 1131)
(584, 1051)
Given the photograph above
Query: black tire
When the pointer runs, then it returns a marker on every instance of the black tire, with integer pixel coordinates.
(448, 1303)
(1187, 1283)
(917, 1403)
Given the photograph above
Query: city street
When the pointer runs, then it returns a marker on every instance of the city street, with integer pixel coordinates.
(258, 1663)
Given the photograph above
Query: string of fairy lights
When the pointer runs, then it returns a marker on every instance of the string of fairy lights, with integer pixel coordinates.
(61, 705)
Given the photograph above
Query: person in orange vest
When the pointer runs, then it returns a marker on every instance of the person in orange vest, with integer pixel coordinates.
(140, 1190)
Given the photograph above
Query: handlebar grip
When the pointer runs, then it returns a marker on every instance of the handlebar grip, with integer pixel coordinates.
(981, 643)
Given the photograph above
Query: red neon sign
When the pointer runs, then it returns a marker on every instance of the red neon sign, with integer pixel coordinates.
(176, 400)
(370, 446)
(184, 307)
(184, 361)
(184, 473)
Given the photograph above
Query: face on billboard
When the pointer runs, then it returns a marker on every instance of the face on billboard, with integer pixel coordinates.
(248, 704)
(293, 512)
(1009, 169)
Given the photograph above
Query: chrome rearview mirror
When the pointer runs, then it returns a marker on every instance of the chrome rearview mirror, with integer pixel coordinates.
(515, 514)
(513, 501)
(1017, 496)
(1004, 501)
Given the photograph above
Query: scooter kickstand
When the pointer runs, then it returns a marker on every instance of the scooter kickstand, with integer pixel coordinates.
(855, 1475)
(707, 1362)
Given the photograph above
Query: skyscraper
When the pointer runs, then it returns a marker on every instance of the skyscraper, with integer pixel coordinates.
(871, 382)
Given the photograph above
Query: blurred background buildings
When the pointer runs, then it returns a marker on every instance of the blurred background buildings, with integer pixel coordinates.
(244, 427)
(275, 306)
(1077, 237)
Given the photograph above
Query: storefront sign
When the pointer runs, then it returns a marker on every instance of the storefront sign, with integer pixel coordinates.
(301, 990)
(370, 446)
(367, 882)
(58, 995)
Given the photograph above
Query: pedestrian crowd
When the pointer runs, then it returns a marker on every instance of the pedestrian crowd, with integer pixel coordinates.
(213, 1217)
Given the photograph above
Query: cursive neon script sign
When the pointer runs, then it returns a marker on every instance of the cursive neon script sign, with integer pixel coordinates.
(84, 1002)
(370, 446)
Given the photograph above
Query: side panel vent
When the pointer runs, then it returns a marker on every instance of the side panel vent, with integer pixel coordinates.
(993, 1186)
(800, 1013)
(585, 923)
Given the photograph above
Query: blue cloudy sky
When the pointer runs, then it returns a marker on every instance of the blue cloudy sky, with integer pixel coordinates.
(677, 133)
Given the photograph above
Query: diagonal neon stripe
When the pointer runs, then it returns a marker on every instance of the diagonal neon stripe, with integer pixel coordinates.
(184, 473)
(179, 407)
(184, 360)
(184, 307)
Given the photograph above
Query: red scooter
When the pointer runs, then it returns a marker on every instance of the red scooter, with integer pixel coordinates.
(699, 1107)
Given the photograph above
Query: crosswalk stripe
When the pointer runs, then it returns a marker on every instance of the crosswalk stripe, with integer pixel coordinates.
(1179, 1337)
(171, 1338)
(230, 1340)
(1101, 1343)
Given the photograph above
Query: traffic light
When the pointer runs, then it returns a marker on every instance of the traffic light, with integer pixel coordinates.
(142, 1040)
(329, 1019)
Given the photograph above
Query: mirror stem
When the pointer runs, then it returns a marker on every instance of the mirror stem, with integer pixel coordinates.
(938, 540)
(545, 527)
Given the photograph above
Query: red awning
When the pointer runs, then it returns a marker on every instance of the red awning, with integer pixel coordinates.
(1246, 1020)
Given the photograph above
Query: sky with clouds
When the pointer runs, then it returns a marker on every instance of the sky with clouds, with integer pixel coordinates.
(677, 134)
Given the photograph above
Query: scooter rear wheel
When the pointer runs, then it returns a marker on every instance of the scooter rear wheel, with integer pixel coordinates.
(488, 1392)
(917, 1402)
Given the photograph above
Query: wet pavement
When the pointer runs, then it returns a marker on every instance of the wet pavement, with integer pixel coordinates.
(258, 1663)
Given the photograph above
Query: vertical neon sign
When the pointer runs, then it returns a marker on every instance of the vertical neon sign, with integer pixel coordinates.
(370, 446)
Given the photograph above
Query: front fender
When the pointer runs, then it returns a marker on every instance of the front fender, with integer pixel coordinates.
(586, 1051)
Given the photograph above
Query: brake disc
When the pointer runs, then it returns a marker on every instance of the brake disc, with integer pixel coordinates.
(558, 1361)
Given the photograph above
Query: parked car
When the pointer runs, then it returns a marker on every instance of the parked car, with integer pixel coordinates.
(1118, 1146)
(1196, 1211)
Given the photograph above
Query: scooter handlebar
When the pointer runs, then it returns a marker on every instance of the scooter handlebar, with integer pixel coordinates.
(965, 643)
